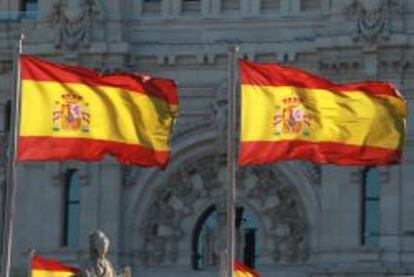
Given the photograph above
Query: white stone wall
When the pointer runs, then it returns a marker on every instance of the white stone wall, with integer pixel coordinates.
(188, 42)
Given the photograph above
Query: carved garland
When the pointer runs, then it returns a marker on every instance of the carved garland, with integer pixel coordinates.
(276, 202)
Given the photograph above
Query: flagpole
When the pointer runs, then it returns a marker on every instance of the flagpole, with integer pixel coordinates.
(32, 253)
(231, 163)
(11, 178)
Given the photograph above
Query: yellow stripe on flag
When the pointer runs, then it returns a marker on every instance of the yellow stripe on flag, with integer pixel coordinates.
(48, 273)
(353, 117)
(238, 273)
(109, 109)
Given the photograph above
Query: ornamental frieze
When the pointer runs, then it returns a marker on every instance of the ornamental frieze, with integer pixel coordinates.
(372, 18)
(73, 20)
(276, 203)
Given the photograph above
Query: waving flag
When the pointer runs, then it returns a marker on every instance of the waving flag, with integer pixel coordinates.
(70, 112)
(42, 267)
(290, 114)
(240, 270)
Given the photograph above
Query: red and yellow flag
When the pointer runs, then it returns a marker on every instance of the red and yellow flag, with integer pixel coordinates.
(290, 114)
(70, 112)
(240, 270)
(42, 267)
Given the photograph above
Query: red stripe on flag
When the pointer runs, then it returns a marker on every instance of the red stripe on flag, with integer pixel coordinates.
(320, 152)
(57, 149)
(51, 265)
(238, 266)
(267, 74)
(40, 70)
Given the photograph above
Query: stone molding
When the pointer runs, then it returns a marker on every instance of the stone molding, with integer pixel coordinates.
(276, 203)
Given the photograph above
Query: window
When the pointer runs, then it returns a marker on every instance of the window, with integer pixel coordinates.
(152, 7)
(209, 238)
(370, 207)
(191, 7)
(270, 6)
(310, 5)
(29, 8)
(71, 208)
(230, 6)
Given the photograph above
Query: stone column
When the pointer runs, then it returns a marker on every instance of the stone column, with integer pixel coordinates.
(176, 8)
(326, 6)
(45, 8)
(166, 8)
(255, 7)
(216, 7)
(285, 7)
(407, 200)
(245, 7)
(112, 13)
(340, 208)
(390, 211)
(295, 6)
(205, 7)
(109, 204)
(371, 62)
(137, 7)
(89, 206)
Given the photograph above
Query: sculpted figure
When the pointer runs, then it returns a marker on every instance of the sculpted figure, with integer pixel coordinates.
(73, 19)
(219, 108)
(372, 17)
(98, 265)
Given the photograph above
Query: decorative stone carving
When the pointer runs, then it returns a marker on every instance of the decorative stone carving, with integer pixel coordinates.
(313, 171)
(163, 228)
(129, 174)
(59, 170)
(73, 19)
(372, 18)
(98, 265)
(218, 234)
(219, 109)
(275, 201)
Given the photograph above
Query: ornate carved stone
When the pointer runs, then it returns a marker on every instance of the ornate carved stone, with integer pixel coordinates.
(219, 111)
(372, 18)
(313, 171)
(98, 265)
(275, 201)
(73, 19)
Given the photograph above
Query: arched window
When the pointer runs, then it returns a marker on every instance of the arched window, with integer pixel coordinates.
(209, 238)
(71, 208)
(29, 8)
(151, 7)
(191, 6)
(270, 6)
(230, 6)
(310, 5)
(370, 208)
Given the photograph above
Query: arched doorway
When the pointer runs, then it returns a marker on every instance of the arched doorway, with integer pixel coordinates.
(208, 240)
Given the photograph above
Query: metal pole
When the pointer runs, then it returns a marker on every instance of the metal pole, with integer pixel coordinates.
(11, 185)
(32, 253)
(231, 163)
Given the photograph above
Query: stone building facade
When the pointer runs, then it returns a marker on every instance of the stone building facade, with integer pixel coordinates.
(296, 218)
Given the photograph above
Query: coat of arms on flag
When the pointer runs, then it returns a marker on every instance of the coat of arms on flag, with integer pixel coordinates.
(71, 113)
(291, 117)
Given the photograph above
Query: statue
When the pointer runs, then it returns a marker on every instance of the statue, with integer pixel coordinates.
(219, 109)
(73, 19)
(372, 17)
(98, 265)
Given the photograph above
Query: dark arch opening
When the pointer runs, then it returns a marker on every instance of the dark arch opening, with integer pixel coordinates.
(203, 239)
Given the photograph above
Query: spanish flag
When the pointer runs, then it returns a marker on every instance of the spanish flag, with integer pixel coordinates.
(70, 112)
(42, 267)
(240, 270)
(288, 114)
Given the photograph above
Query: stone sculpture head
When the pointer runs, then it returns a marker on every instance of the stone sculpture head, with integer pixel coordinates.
(98, 244)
